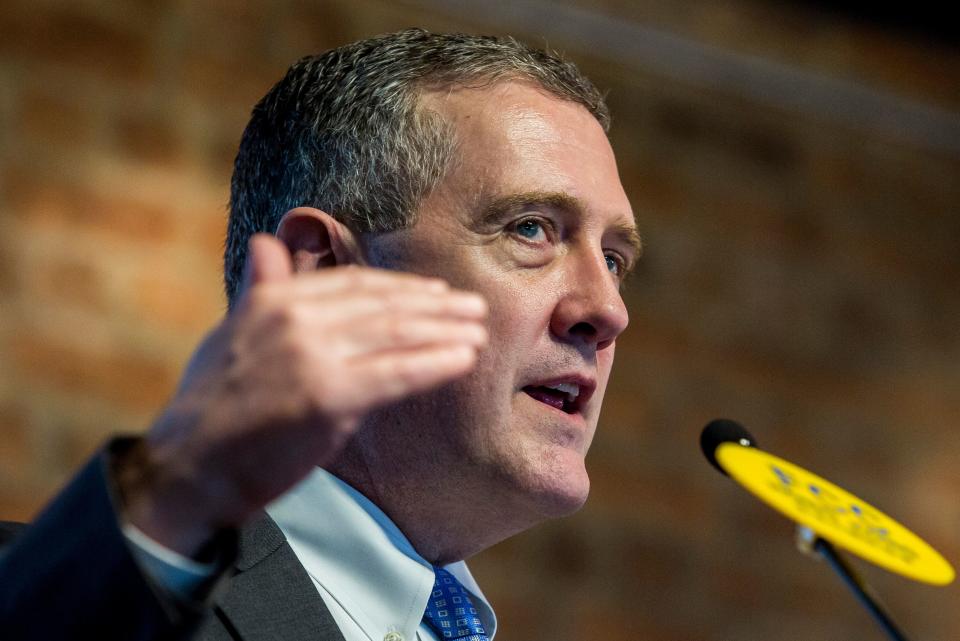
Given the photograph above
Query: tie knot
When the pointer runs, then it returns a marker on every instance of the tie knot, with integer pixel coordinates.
(450, 611)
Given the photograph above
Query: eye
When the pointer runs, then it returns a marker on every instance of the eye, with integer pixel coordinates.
(615, 264)
(531, 229)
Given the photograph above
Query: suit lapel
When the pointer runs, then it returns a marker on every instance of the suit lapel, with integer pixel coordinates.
(272, 597)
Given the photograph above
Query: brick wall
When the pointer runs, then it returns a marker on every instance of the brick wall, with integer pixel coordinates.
(801, 275)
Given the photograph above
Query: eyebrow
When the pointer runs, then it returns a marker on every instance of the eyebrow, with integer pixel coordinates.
(496, 208)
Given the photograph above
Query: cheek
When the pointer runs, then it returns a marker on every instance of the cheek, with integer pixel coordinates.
(512, 336)
(516, 315)
(517, 341)
(521, 300)
(604, 365)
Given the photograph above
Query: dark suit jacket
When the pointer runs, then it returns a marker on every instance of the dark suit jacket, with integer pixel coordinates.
(71, 575)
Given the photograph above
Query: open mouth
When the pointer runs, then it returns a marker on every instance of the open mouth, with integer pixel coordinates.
(562, 396)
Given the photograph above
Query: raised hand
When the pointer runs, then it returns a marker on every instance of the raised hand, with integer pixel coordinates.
(282, 383)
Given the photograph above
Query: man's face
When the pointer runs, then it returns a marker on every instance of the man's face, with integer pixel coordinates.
(533, 216)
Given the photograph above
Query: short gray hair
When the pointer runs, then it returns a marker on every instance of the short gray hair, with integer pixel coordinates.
(342, 131)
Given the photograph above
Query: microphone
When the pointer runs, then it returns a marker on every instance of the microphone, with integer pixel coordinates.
(815, 503)
(825, 514)
(721, 431)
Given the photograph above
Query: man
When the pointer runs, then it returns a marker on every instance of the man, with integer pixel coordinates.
(433, 325)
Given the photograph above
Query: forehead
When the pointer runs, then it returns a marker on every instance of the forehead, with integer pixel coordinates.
(512, 137)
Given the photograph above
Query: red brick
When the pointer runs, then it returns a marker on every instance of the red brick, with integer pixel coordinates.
(70, 281)
(592, 618)
(235, 80)
(81, 440)
(16, 450)
(150, 139)
(212, 234)
(642, 493)
(659, 192)
(53, 117)
(8, 275)
(130, 380)
(918, 70)
(220, 153)
(21, 502)
(46, 202)
(516, 619)
(178, 303)
(314, 28)
(69, 36)
(799, 276)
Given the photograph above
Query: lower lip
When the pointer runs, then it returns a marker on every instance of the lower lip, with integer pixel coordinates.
(575, 417)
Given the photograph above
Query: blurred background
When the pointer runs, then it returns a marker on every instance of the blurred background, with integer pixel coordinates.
(795, 170)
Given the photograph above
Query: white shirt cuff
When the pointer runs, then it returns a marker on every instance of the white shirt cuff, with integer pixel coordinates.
(182, 576)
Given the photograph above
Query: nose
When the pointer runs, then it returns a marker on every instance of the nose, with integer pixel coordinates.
(590, 309)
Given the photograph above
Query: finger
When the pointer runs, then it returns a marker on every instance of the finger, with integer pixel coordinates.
(268, 260)
(361, 312)
(383, 334)
(355, 279)
(390, 376)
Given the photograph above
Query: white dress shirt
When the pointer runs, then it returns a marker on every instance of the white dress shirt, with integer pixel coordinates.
(373, 582)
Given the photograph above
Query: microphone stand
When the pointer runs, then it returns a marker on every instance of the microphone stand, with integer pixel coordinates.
(811, 544)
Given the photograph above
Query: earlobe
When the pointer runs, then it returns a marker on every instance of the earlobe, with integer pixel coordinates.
(316, 240)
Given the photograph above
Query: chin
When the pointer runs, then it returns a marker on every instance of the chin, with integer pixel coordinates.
(563, 491)
(564, 506)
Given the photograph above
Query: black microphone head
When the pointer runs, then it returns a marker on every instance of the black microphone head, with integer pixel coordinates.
(723, 430)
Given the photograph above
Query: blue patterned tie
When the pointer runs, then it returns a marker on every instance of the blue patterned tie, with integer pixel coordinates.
(450, 612)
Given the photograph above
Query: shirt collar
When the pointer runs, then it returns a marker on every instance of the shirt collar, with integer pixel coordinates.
(353, 549)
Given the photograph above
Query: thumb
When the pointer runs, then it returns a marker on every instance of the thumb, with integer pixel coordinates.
(268, 260)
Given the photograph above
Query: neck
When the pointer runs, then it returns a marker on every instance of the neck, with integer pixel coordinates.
(446, 517)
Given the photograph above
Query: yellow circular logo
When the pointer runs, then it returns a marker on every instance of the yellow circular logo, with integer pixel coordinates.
(834, 514)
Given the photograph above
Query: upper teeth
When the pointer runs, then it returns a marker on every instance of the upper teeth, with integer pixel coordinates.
(571, 390)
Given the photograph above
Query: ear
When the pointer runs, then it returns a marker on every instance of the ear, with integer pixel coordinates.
(316, 240)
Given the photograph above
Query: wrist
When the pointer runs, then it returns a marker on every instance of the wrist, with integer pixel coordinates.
(162, 505)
